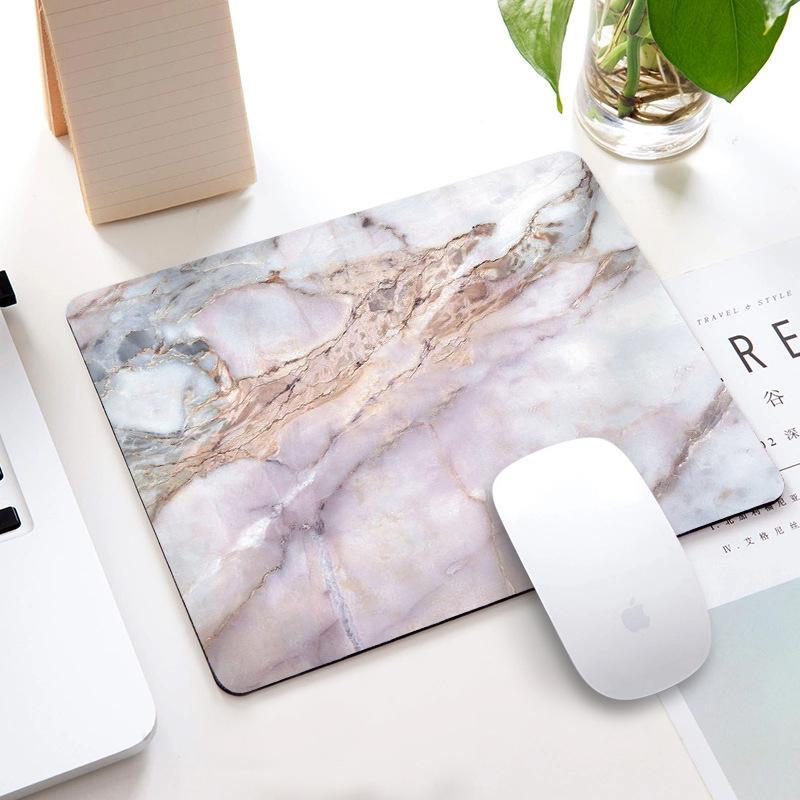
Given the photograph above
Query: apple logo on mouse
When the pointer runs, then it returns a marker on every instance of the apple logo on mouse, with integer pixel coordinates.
(634, 618)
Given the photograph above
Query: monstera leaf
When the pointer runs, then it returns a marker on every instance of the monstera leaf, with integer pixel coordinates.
(537, 28)
(720, 45)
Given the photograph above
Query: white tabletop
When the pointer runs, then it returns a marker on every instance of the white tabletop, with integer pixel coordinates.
(351, 104)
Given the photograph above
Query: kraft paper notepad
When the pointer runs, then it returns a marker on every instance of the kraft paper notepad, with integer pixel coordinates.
(150, 95)
(314, 421)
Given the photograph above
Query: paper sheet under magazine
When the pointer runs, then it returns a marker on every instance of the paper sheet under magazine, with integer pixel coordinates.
(739, 716)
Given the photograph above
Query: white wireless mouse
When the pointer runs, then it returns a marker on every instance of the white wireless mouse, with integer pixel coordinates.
(607, 566)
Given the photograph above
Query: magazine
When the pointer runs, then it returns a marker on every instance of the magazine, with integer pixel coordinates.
(739, 715)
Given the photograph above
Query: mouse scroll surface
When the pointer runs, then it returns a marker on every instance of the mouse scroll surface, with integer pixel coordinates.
(607, 565)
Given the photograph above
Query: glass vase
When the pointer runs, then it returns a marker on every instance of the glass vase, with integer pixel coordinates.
(631, 100)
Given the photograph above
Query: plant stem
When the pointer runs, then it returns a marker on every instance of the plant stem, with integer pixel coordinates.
(601, 20)
(633, 53)
(636, 17)
(612, 57)
(627, 100)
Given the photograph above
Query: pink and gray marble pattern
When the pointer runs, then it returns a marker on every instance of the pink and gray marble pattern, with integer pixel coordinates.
(314, 421)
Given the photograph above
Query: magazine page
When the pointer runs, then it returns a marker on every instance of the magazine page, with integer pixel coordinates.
(739, 715)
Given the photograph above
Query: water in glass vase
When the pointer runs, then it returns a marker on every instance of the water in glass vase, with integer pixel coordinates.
(631, 100)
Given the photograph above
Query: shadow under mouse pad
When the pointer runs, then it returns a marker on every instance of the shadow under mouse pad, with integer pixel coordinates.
(314, 421)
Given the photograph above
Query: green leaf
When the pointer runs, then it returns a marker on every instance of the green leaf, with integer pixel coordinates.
(774, 9)
(720, 45)
(537, 28)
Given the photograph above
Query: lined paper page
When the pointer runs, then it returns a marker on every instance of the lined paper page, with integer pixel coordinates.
(153, 101)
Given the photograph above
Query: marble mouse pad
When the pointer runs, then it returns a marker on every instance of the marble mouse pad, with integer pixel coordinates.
(314, 421)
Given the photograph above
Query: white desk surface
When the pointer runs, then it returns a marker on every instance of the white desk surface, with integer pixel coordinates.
(351, 104)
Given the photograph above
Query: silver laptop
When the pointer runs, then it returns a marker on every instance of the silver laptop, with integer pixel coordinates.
(72, 694)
